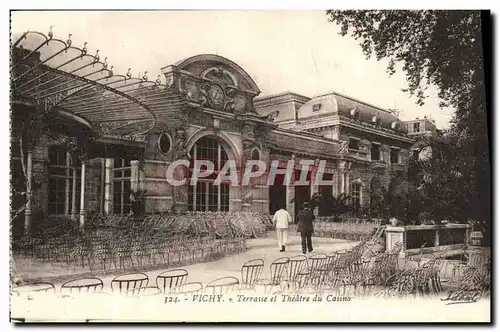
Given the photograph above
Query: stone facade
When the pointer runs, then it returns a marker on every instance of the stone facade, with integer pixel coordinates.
(211, 96)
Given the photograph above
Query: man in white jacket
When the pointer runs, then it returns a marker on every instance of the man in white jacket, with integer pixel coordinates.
(281, 219)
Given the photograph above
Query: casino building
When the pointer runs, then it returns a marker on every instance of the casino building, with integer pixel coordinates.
(106, 136)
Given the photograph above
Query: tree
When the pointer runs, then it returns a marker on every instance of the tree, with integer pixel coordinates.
(444, 49)
(378, 198)
(28, 125)
(438, 175)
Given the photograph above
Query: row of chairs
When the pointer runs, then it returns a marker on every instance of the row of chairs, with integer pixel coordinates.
(223, 224)
(103, 251)
(167, 282)
(425, 278)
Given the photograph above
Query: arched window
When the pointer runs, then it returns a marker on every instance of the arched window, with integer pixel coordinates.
(255, 155)
(356, 195)
(204, 195)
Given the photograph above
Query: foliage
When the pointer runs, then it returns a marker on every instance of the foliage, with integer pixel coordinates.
(439, 181)
(378, 198)
(139, 203)
(332, 206)
(27, 128)
(443, 49)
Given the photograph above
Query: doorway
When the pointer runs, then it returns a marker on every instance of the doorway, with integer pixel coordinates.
(277, 194)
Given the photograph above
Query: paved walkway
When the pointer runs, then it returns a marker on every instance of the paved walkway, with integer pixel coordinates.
(154, 309)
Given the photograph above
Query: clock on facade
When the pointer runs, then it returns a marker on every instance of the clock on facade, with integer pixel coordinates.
(215, 95)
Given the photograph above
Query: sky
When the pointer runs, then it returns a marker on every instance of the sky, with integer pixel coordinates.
(286, 50)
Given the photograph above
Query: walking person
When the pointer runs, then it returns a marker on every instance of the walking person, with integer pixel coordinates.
(282, 218)
(304, 220)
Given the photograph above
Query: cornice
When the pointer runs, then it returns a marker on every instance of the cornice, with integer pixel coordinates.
(364, 127)
(280, 98)
(304, 135)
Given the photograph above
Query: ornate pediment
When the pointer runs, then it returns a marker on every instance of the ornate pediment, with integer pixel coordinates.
(220, 75)
(213, 82)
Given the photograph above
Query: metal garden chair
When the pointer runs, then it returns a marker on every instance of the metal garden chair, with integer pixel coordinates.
(83, 285)
(171, 279)
(222, 285)
(187, 288)
(251, 271)
(296, 264)
(38, 287)
(144, 291)
(127, 282)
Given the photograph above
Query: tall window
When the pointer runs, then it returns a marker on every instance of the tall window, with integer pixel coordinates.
(375, 152)
(356, 195)
(61, 182)
(416, 127)
(394, 156)
(121, 186)
(204, 195)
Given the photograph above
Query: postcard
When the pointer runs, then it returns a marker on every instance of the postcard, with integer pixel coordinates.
(249, 166)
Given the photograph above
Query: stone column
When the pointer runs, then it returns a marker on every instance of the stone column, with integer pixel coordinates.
(73, 196)
(27, 210)
(142, 176)
(385, 153)
(134, 175)
(103, 185)
(342, 181)
(436, 238)
(347, 183)
(290, 195)
(67, 189)
(335, 185)
(180, 193)
(108, 183)
(394, 235)
(314, 187)
(82, 195)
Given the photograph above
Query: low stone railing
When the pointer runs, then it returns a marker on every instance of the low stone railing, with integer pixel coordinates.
(428, 238)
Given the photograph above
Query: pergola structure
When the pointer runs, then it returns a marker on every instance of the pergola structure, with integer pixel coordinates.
(59, 87)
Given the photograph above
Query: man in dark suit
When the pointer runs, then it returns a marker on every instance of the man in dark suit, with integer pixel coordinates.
(304, 221)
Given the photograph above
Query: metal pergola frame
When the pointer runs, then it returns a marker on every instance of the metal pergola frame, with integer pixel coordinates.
(65, 78)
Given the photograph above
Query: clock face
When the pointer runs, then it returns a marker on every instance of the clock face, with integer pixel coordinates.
(216, 95)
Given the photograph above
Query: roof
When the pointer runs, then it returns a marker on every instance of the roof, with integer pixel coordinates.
(335, 103)
(190, 65)
(304, 143)
(57, 75)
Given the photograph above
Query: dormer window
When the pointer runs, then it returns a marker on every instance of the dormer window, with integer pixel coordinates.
(354, 114)
(272, 116)
(416, 127)
(316, 107)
